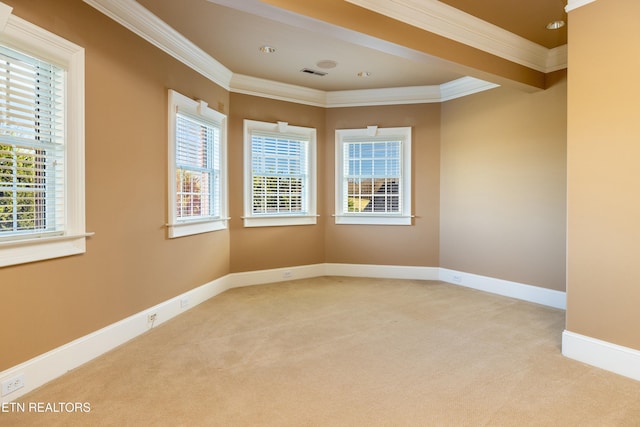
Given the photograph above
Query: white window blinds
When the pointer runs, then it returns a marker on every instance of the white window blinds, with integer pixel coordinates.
(32, 146)
(279, 168)
(197, 168)
(372, 177)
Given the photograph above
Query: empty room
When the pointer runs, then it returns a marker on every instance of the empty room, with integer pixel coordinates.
(319, 213)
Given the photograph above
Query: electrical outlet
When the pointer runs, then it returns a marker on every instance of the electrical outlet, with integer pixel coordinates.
(457, 279)
(287, 274)
(12, 384)
(151, 318)
(184, 302)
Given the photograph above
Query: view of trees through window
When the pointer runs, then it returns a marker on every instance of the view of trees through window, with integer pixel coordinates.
(22, 189)
(31, 145)
(272, 194)
(192, 193)
(197, 168)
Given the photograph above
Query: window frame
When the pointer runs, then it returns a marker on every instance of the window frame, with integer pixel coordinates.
(309, 215)
(27, 38)
(374, 134)
(199, 111)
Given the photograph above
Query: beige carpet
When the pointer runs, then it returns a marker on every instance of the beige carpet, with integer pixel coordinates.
(336, 351)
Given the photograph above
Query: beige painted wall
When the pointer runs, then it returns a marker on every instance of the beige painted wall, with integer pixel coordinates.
(503, 185)
(47, 304)
(259, 248)
(604, 178)
(130, 264)
(415, 245)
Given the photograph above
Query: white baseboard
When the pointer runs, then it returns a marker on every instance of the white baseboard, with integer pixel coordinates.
(261, 277)
(50, 365)
(382, 271)
(536, 294)
(602, 354)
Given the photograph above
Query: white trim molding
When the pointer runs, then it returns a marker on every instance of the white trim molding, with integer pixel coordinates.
(462, 87)
(276, 90)
(5, 14)
(602, 354)
(51, 365)
(535, 294)
(359, 98)
(382, 271)
(574, 4)
(557, 59)
(262, 277)
(447, 21)
(383, 96)
(142, 22)
(30, 39)
(135, 17)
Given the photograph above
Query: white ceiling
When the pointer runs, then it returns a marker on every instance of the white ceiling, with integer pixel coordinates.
(232, 31)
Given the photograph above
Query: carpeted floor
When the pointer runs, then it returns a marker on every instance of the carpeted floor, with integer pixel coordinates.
(336, 351)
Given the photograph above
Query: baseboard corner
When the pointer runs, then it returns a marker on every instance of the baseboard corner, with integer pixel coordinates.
(611, 357)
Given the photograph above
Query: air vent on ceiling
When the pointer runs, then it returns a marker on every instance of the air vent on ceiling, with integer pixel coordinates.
(314, 72)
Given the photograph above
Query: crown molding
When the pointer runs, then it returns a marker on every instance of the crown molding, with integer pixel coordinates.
(359, 98)
(557, 59)
(133, 16)
(275, 90)
(462, 87)
(574, 4)
(139, 20)
(5, 14)
(384, 96)
(447, 21)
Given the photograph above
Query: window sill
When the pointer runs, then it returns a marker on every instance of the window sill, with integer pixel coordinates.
(279, 220)
(372, 219)
(13, 252)
(188, 228)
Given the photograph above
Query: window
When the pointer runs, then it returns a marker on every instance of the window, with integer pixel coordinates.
(373, 176)
(280, 168)
(41, 144)
(197, 167)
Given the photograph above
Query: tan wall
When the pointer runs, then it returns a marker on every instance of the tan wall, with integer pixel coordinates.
(415, 245)
(503, 183)
(604, 178)
(260, 248)
(47, 304)
(130, 265)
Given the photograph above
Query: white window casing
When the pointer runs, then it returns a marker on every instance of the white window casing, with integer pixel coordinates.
(373, 176)
(61, 186)
(197, 167)
(279, 174)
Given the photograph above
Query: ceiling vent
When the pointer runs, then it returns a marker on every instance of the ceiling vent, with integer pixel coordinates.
(314, 72)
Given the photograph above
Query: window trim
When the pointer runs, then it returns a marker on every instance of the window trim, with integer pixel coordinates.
(343, 136)
(26, 37)
(310, 217)
(198, 109)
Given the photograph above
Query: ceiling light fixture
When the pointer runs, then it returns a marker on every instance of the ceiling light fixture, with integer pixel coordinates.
(554, 25)
(267, 49)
